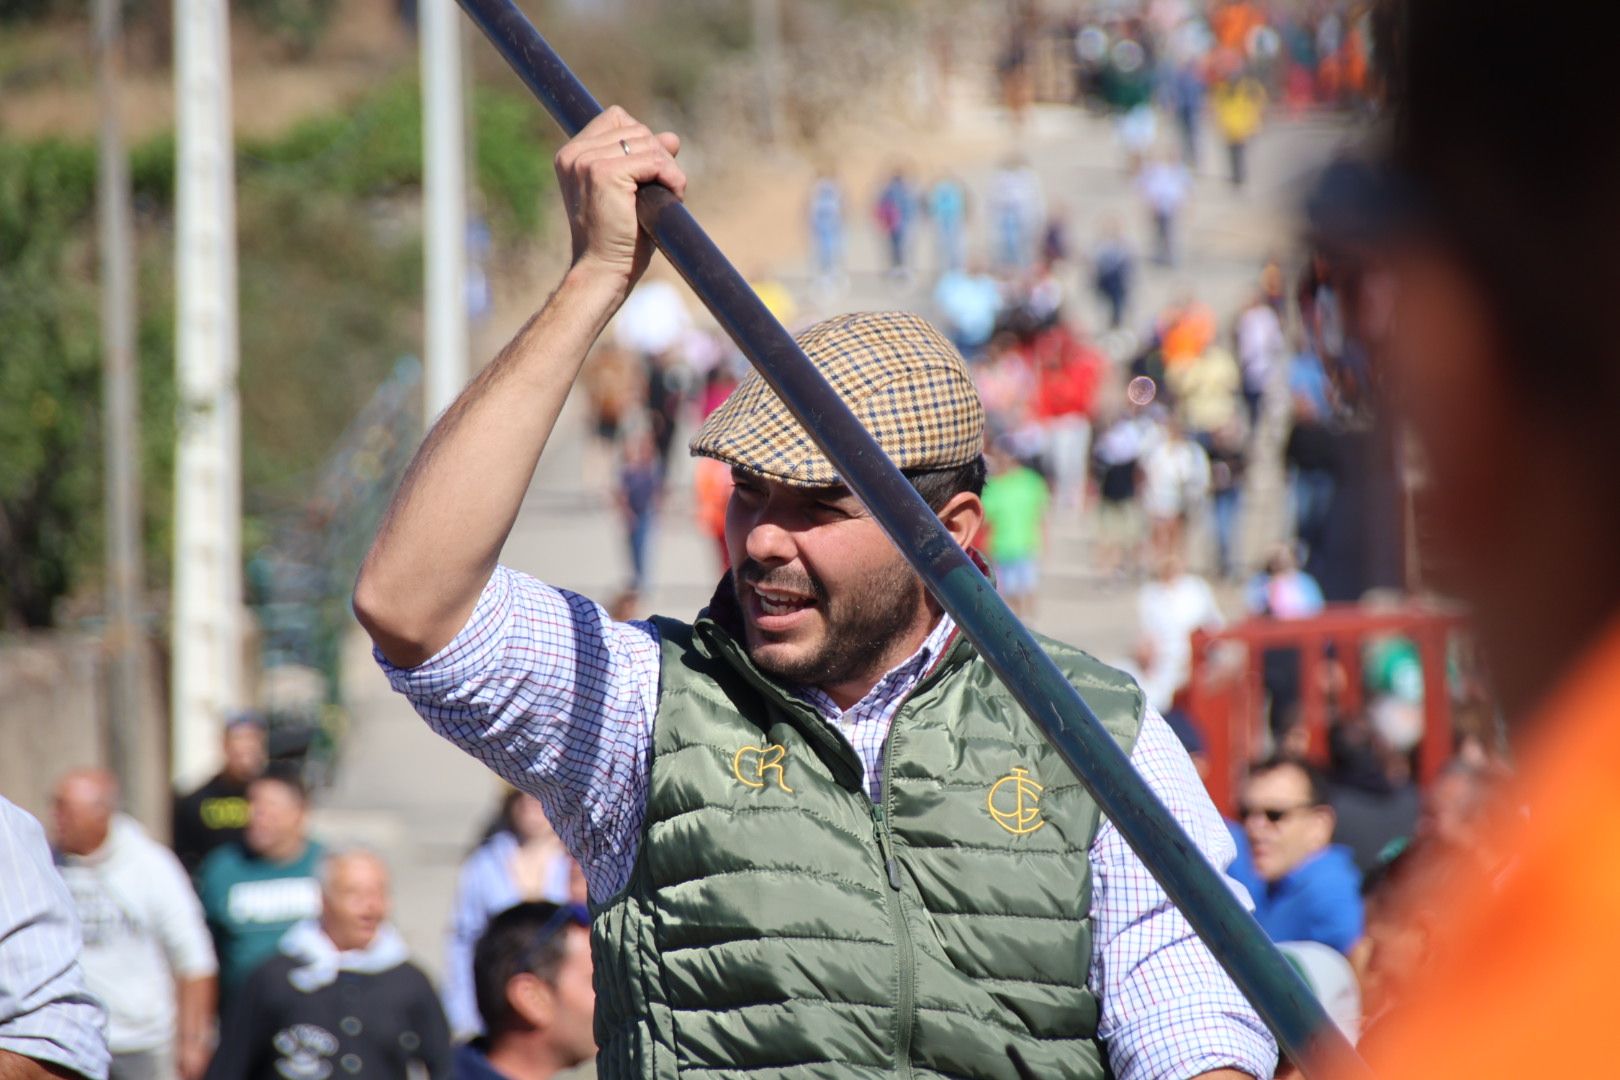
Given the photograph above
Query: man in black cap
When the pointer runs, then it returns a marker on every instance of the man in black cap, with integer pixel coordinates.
(217, 812)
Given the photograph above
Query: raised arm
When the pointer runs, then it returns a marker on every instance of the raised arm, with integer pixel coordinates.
(443, 532)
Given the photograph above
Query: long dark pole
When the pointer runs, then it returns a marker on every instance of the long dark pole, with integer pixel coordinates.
(1236, 940)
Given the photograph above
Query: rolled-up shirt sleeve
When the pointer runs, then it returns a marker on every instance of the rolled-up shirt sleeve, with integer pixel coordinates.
(45, 1011)
(1169, 1011)
(558, 699)
(181, 925)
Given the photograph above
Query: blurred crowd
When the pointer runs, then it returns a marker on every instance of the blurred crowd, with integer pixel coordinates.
(1182, 54)
(1153, 461)
(253, 951)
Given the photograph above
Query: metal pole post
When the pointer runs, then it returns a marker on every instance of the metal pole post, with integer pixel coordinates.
(1277, 992)
(120, 423)
(768, 56)
(444, 232)
(207, 604)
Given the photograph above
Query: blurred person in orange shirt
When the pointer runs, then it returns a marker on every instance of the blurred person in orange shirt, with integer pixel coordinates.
(1232, 23)
(711, 489)
(1482, 273)
(1189, 329)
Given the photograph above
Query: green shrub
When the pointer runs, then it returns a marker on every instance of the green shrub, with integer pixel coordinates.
(329, 260)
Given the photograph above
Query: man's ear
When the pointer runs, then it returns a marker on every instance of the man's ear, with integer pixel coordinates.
(533, 999)
(1325, 821)
(963, 516)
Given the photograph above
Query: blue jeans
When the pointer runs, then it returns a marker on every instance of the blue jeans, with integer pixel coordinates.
(1164, 238)
(1313, 499)
(1012, 245)
(829, 244)
(952, 250)
(1226, 523)
(1112, 287)
(639, 535)
(897, 249)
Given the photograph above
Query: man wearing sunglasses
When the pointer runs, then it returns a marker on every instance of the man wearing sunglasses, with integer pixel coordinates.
(1311, 890)
(532, 978)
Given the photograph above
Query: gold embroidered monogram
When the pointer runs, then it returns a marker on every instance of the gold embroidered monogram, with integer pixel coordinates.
(1014, 802)
(752, 764)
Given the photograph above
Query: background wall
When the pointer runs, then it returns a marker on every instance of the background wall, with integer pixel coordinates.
(53, 709)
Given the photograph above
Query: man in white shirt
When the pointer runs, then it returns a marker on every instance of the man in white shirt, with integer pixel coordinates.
(147, 954)
(1175, 484)
(1261, 346)
(1168, 609)
(1166, 186)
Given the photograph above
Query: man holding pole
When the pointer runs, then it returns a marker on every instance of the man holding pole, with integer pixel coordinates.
(821, 838)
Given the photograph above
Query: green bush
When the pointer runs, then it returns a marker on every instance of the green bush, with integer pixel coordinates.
(329, 285)
(49, 367)
(376, 150)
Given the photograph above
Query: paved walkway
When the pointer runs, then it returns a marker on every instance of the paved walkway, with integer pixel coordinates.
(422, 803)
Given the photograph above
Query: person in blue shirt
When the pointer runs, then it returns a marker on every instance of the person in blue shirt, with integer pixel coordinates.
(1309, 887)
(520, 859)
(968, 301)
(1241, 869)
(827, 227)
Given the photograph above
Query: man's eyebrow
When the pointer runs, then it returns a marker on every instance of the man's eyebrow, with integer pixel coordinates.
(830, 493)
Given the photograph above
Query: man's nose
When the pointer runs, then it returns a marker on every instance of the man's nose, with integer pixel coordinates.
(769, 542)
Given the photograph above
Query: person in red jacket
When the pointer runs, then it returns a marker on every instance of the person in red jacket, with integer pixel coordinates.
(1067, 373)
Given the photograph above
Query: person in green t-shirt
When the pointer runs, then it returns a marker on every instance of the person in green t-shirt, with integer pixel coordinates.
(255, 889)
(1015, 501)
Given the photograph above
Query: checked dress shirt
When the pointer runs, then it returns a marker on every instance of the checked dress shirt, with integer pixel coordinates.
(558, 699)
(45, 1011)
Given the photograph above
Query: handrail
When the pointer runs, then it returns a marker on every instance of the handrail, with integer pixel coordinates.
(1227, 710)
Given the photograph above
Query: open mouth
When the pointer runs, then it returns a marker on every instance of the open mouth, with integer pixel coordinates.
(780, 601)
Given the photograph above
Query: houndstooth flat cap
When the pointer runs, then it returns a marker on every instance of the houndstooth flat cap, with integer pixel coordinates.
(905, 383)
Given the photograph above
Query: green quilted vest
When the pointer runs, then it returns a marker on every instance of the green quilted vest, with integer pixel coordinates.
(779, 925)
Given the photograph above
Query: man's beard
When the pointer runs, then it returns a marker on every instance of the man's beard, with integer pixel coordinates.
(861, 627)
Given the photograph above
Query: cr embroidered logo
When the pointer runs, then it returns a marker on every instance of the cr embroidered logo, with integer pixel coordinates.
(1014, 802)
(753, 764)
